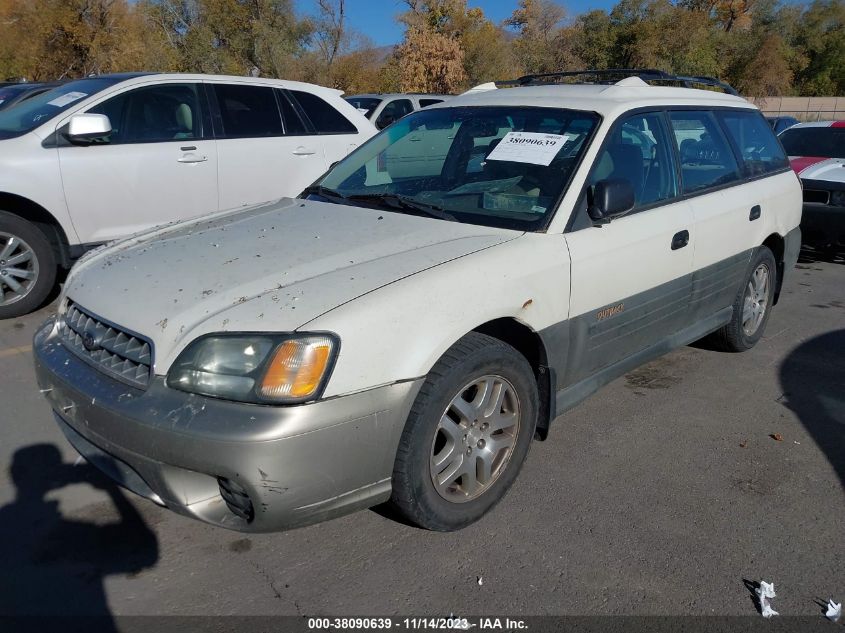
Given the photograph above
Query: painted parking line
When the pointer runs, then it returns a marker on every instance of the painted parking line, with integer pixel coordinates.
(11, 351)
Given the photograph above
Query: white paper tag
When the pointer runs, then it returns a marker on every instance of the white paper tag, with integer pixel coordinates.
(65, 99)
(528, 147)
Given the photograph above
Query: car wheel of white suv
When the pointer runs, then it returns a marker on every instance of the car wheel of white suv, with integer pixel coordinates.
(27, 266)
(467, 434)
(751, 307)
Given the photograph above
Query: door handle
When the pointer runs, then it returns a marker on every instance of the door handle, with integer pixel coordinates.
(755, 213)
(680, 239)
(303, 151)
(192, 158)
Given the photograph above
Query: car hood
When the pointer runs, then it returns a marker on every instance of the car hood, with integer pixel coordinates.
(819, 168)
(273, 267)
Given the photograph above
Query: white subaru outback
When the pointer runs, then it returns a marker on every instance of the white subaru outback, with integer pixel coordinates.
(405, 328)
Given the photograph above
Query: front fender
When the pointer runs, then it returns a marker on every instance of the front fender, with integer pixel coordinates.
(398, 332)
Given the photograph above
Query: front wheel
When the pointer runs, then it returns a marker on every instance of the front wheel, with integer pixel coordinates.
(27, 266)
(466, 436)
(751, 307)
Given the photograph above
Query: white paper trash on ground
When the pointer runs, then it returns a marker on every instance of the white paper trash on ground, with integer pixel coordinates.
(765, 592)
(834, 610)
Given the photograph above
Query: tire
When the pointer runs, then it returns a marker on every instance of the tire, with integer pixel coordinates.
(25, 251)
(452, 403)
(739, 335)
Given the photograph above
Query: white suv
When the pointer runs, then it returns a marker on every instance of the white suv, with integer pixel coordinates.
(104, 157)
(403, 332)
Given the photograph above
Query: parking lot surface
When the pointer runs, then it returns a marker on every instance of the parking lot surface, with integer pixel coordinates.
(659, 495)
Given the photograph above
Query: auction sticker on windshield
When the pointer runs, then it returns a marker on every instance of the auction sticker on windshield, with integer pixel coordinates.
(65, 99)
(528, 147)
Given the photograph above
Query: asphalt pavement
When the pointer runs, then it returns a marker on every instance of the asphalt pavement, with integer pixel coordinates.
(666, 493)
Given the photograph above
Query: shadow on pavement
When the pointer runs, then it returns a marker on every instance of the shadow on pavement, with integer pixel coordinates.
(813, 380)
(56, 566)
(810, 255)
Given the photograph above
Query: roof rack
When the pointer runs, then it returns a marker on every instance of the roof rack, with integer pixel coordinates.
(612, 75)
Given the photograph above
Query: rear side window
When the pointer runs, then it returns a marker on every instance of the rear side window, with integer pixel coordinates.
(152, 114)
(324, 117)
(706, 157)
(753, 137)
(248, 111)
(424, 103)
(294, 126)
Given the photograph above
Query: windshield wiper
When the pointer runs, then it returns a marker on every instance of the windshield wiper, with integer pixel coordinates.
(325, 192)
(400, 202)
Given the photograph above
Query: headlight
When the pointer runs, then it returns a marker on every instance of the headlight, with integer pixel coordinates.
(256, 368)
(837, 198)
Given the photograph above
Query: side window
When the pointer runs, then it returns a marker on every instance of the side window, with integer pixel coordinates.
(639, 152)
(761, 153)
(294, 126)
(394, 111)
(248, 111)
(424, 103)
(706, 158)
(151, 114)
(324, 117)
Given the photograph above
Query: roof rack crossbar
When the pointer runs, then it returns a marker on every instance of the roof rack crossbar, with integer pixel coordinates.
(608, 76)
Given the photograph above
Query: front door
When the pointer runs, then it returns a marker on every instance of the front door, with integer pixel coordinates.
(631, 278)
(159, 164)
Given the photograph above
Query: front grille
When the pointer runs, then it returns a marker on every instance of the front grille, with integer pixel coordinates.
(816, 195)
(114, 351)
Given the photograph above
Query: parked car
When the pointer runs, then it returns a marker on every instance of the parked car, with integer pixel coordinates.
(15, 93)
(781, 123)
(384, 109)
(103, 157)
(817, 154)
(401, 333)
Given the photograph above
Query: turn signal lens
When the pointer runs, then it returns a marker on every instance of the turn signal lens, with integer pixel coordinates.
(296, 369)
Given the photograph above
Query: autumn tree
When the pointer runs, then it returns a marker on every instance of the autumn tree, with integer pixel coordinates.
(540, 46)
(55, 39)
(430, 62)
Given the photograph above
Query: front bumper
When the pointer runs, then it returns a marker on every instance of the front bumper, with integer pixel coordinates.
(297, 464)
(823, 225)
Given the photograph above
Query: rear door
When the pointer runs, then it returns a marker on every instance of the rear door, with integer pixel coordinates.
(327, 128)
(631, 278)
(726, 215)
(159, 163)
(262, 156)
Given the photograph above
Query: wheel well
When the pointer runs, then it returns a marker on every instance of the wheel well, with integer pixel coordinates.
(776, 244)
(528, 343)
(41, 218)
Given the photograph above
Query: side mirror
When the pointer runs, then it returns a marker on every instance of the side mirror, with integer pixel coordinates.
(611, 199)
(84, 128)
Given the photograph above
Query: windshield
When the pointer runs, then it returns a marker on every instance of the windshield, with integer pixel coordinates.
(29, 114)
(497, 166)
(364, 105)
(824, 142)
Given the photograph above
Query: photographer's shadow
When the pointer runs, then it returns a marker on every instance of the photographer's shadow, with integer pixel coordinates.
(56, 566)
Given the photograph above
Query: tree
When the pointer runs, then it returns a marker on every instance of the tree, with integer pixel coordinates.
(540, 46)
(430, 62)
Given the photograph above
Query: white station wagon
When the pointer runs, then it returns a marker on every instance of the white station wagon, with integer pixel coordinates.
(104, 157)
(403, 331)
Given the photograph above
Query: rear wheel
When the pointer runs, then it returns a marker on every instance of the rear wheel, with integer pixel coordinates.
(751, 307)
(466, 436)
(27, 266)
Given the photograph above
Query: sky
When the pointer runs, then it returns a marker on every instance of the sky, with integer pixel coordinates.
(376, 18)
